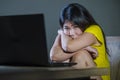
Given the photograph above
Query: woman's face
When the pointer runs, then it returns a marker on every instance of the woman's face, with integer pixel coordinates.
(71, 30)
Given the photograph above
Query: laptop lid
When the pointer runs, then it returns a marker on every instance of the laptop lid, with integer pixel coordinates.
(23, 40)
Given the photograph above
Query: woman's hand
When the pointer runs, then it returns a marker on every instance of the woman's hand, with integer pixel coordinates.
(92, 51)
(60, 31)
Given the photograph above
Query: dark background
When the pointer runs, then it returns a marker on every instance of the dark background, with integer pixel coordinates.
(105, 12)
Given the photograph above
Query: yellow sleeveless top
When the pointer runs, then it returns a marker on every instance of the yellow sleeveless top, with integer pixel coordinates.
(102, 59)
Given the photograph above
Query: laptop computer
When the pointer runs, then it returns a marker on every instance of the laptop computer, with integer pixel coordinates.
(23, 41)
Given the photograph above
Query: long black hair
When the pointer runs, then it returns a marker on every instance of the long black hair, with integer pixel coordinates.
(78, 15)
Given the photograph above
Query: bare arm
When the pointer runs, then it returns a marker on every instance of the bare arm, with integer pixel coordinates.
(72, 45)
(65, 43)
(57, 53)
(92, 51)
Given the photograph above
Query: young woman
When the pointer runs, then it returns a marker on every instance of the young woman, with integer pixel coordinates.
(80, 40)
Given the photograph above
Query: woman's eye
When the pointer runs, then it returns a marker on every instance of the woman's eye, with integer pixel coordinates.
(66, 28)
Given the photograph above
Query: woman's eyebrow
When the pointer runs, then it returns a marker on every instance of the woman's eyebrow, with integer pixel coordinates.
(75, 25)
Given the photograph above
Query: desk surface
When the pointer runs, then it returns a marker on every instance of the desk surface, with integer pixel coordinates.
(37, 73)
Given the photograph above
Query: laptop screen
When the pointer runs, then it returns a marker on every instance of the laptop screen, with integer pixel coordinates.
(23, 40)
